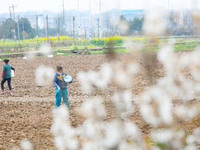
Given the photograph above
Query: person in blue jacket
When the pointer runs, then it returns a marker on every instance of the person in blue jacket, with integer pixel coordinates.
(61, 87)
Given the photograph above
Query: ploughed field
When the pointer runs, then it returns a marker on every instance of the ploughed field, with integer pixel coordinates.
(28, 113)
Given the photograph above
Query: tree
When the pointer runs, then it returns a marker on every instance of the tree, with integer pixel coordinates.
(25, 27)
(122, 18)
(136, 25)
(6, 29)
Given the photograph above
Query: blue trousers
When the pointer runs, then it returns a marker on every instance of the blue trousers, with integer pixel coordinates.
(59, 94)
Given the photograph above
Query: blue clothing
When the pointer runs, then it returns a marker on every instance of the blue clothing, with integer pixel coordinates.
(59, 81)
(59, 94)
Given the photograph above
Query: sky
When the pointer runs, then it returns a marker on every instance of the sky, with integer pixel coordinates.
(56, 5)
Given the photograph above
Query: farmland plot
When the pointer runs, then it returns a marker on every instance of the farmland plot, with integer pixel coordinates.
(28, 113)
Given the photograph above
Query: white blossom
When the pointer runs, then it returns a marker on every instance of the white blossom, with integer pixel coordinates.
(155, 23)
(92, 132)
(45, 49)
(64, 134)
(190, 139)
(44, 75)
(113, 134)
(158, 104)
(15, 148)
(122, 79)
(162, 136)
(186, 113)
(124, 103)
(132, 68)
(31, 54)
(93, 108)
(106, 73)
(190, 147)
(26, 144)
(123, 26)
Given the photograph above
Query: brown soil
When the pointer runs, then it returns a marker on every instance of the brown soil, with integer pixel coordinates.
(28, 113)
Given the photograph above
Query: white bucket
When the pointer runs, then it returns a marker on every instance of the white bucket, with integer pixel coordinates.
(68, 79)
(12, 73)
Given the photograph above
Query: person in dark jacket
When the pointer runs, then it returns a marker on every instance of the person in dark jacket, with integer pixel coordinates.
(61, 87)
(6, 76)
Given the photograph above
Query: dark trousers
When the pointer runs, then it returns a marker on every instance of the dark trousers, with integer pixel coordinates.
(9, 83)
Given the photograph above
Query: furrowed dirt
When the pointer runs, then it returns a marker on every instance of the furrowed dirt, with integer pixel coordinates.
(28, 113)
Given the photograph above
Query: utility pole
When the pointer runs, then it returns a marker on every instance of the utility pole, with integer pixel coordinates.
(85, 33)
(91, 25)
(11, 22)
(47, 30)
(13, 7)
(98, 28)
(118, 14)
(169, 5)
(18, 29)
(94, 24)
(3, 30)
(10, 12)
(73, 26)
(58, 23)
(37, 27)
(118, 8)
(100, 20)
(23, 29)
(63, 5)
(78, 18)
